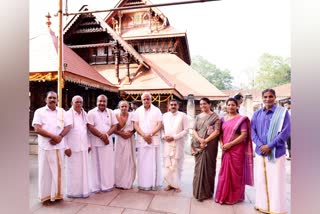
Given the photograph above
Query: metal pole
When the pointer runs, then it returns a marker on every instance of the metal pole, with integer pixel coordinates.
(139, 7)
(60, 41)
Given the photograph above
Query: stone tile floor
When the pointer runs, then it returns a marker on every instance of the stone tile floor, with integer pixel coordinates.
(135, 201)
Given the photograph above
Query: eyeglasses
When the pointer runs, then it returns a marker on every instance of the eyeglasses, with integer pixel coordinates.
(173, 104)
(78, 101)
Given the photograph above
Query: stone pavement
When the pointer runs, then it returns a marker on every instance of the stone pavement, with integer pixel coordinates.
(135, 201)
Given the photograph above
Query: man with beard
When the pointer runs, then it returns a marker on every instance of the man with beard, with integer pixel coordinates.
(51, 125)
(270, 128)
(175, 128)
(102, 122)
(147, 122)
(77, 152)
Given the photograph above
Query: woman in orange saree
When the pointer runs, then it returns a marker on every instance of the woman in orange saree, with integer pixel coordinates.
(237, 156)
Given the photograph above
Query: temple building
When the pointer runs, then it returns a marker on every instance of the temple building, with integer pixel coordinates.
(122, 55)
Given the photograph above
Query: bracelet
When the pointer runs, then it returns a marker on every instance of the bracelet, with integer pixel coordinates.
(60, 135)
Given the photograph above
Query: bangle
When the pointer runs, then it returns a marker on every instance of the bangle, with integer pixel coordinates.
(60, 135)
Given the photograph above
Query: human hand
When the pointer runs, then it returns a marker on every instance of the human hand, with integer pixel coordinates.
(226, 146)
(68, 152)
(148, 139)
(264, 149)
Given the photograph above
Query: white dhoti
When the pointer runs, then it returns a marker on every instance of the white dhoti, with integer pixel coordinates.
(50, 174)
(102, 168)
(77, 175)
(125, 166)
(149, 168)
(172, 171)
(270, 185)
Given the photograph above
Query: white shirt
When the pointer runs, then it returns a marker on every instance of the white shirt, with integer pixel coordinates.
(175, 125)
(148, 120)
(53, 122)
(77, 137)
(102, 121)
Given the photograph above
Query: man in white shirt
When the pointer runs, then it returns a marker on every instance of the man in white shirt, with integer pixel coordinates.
(147, 122)
(51, 125)
(102, 122)
(77, 152)
(175, 128)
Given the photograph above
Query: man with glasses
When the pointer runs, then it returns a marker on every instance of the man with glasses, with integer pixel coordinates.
(147, 122)
(77, 148)
(175, 128)
(51, 125)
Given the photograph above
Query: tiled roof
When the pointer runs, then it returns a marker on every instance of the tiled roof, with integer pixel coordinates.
(115, 36)
(283, 91)
(141, 81)
(168, 74)
(44, 58)
(182, 77)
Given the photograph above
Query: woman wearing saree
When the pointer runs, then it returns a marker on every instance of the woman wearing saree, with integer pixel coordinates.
(237, 157)
(205, 148)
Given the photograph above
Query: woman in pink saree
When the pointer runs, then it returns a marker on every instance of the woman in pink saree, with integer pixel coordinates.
(237, 157)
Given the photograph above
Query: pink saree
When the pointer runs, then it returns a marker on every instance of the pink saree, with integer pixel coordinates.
(237, 163)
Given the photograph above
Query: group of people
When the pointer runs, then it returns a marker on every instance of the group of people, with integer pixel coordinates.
(82, 144)
(84, 141)
(269, 129)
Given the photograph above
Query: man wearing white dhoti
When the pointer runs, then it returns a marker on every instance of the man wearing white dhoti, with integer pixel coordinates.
(147, 122)
(51, 125)
(175, 128)
(102, 123)
(125, 167)
(77, 152)
(270, 128)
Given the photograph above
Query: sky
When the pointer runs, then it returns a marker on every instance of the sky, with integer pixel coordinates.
(232, 34)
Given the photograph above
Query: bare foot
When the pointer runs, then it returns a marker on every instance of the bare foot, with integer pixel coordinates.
(168, 188)
(46, 203)
(177, 190)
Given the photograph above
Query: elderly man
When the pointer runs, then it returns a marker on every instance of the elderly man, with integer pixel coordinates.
(102, 123)
(77, 152)
(270, 128)
(125, 167)
(51, 125)
(147, 122)
(175, 128)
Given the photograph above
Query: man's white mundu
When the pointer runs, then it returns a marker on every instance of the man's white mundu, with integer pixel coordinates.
(102, 156)
(148, 158)
(50, 157)
(77, 174)
(176, 125)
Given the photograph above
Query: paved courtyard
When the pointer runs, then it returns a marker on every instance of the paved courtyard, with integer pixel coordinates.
(135, 201)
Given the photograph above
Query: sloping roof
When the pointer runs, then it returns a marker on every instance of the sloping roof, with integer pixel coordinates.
(182, 77)
(114, 35)
(149, 81)
(44, 58)
(121, 3)
(283, 91)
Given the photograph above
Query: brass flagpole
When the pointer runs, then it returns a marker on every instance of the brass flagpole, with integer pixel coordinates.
(60, 42)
